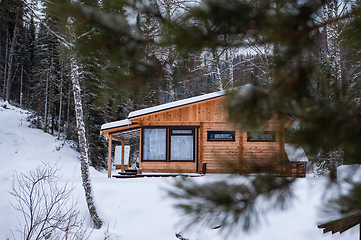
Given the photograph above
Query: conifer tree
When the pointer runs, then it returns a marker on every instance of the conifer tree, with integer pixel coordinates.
(291, 30)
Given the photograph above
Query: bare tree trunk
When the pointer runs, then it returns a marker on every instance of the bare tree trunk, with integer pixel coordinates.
(83, 145)
(68, 111)
(21, 84)
(6, 63)
(46, 103)
(60, 101)
(12, 49)
(218, 76)
(230, 58)
(333, 50)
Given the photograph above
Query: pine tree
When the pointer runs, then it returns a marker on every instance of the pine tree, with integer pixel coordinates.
(289, 31)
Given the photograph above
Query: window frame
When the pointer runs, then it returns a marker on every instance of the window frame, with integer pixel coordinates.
(169, 134)
(272, 134)
(210, 132)
(143, 141)
(181, 134)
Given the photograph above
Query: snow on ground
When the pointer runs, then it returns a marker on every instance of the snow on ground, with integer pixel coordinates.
(138, 209)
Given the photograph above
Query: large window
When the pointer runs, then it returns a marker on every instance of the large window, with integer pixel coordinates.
(154, 144)
(169, 144)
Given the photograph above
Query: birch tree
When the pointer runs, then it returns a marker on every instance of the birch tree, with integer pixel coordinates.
(79, 115)
(291, 29)
(83, 144)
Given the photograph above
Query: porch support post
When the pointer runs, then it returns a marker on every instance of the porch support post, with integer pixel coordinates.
(110, 156)
(240, 161)
(201, 146)
(140, 146)
(122, 168)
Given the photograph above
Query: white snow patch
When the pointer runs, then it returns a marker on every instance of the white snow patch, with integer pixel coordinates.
(120, 123)
(295, 153)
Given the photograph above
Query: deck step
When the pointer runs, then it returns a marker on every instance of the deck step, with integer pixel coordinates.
(127, 173)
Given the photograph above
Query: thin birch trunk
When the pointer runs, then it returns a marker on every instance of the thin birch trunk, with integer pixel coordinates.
(230, 57)
(218, 76)
(83, 145)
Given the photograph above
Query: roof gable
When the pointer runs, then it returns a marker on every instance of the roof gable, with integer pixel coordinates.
(175, 104)
(159, 108)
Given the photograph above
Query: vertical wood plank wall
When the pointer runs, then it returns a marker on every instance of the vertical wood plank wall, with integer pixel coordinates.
(220, 156)
(194, 114)
(265, 156)
(211, 115)
(208, 111)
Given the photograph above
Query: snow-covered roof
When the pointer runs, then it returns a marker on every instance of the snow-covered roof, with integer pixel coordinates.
(120, 123)
(295, 154)
(175, 104)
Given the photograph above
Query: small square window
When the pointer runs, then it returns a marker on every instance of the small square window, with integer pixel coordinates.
(221, 136)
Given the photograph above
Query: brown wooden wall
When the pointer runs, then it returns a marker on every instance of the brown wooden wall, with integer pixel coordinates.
(169, 167)
(265, 156)
(194, 114)
(240, 155)
(210, 110)
(297, 169)
(220, 156)
(262, 156)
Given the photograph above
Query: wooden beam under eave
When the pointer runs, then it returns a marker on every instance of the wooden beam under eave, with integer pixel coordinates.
(116, 138)
(118, 129)
(110, 156)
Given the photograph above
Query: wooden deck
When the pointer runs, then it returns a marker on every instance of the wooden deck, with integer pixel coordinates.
(133, 174)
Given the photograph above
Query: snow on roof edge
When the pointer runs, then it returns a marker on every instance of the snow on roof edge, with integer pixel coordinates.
(120, 123)
(178, 103)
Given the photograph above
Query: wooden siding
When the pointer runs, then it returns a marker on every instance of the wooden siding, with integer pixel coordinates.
(297, 169)
(265, 156)
(169, 167)
(211, 112)
(206, 111)
(220, 156)
(262, 156)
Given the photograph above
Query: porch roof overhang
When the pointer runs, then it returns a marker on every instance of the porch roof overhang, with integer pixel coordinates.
(131, 133)
(122, 129)
(121, 123)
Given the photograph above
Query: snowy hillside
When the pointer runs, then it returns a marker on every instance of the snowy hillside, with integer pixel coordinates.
(137, 209)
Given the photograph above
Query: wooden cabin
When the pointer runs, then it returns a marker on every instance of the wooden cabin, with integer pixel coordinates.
(193, 136)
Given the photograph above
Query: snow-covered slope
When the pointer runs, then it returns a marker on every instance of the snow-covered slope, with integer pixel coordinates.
(137, 209)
